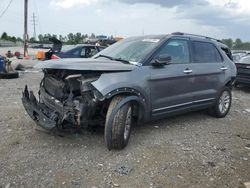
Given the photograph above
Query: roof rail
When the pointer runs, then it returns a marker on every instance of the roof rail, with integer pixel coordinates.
(201, 36)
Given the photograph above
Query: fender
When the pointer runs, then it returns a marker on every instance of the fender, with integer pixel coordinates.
(114, 112)
(144, 113)
(129, 83)
(126, 90)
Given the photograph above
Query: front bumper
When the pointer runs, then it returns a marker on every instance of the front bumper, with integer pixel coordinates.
(39, 112)
(243, 80)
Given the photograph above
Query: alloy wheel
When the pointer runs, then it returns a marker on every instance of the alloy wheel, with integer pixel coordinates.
(224, 102)
(128, 123)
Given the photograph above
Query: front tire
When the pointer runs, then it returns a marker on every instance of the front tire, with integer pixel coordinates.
(117, 134)
(223, 104)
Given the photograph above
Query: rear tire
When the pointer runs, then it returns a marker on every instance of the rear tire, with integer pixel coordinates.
(223, 104)
(11, 75)
(117, 135)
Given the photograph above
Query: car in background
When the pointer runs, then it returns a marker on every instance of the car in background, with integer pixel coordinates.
(238, 54)
(40, 46)
(241, 52)
(75, 51)
(59, 51)
(237, 57)
(243, 70)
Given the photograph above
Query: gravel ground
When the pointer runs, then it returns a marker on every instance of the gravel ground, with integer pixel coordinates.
(191, 150)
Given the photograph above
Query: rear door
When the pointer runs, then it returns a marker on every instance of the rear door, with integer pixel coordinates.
(209, 71)
(171, 85)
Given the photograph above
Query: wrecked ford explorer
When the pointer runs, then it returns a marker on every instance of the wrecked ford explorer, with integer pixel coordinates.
(136, 80)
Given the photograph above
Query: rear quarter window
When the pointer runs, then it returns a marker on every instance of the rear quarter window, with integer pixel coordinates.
(228, 53)
(205, 52)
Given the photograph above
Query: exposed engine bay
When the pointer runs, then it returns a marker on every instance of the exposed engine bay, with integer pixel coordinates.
(67, 98)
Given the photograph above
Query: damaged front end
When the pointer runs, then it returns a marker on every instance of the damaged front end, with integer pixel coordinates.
(66, 99)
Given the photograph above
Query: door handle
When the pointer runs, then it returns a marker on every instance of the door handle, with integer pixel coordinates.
(188, 71)
(223, 68)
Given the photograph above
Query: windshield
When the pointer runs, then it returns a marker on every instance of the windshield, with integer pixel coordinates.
(132, 50)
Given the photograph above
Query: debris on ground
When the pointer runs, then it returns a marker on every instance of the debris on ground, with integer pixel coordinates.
(247, 184)
(123, 169)
(211, 163)
(247, 146)
(20, 67)
(6, 69)
(247, 110)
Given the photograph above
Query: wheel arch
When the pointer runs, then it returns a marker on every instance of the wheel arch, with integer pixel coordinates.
(131, 95)
(230, 82)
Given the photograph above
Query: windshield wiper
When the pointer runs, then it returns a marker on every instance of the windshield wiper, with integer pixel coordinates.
(122, 60)
(114, 59)
(108, 57)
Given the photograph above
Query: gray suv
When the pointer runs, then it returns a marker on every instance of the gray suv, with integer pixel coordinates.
(136, 80)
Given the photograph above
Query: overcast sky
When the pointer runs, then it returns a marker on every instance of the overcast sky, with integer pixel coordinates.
(215, 18)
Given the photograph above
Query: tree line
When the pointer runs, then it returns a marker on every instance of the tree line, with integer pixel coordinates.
(238, 44)
(77, 38)
(5, 36)
(71, 38)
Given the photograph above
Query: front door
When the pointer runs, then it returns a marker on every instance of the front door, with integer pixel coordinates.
(171, 85)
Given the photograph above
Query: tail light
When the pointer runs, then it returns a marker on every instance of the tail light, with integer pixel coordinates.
(55, 57)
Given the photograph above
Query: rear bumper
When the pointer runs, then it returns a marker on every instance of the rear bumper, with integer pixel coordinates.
(39, 112)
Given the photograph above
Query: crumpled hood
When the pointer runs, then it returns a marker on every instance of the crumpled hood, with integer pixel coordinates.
(84, 64)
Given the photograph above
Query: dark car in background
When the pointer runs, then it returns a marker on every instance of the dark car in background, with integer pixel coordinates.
(76, 51)
(243, 70)
(59, 51)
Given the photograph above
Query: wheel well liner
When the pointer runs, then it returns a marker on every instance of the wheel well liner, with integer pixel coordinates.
(125, 90)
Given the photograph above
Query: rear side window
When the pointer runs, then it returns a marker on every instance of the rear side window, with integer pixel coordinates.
(228, 53)
(75, 51)
(204, 52)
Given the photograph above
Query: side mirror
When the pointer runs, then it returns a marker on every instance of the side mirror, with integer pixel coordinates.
(162, 60)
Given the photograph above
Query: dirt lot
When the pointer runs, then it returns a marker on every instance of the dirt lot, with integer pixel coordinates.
(192, 150)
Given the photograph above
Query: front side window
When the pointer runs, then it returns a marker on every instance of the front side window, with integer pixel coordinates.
(177, 49)
(204, 52)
